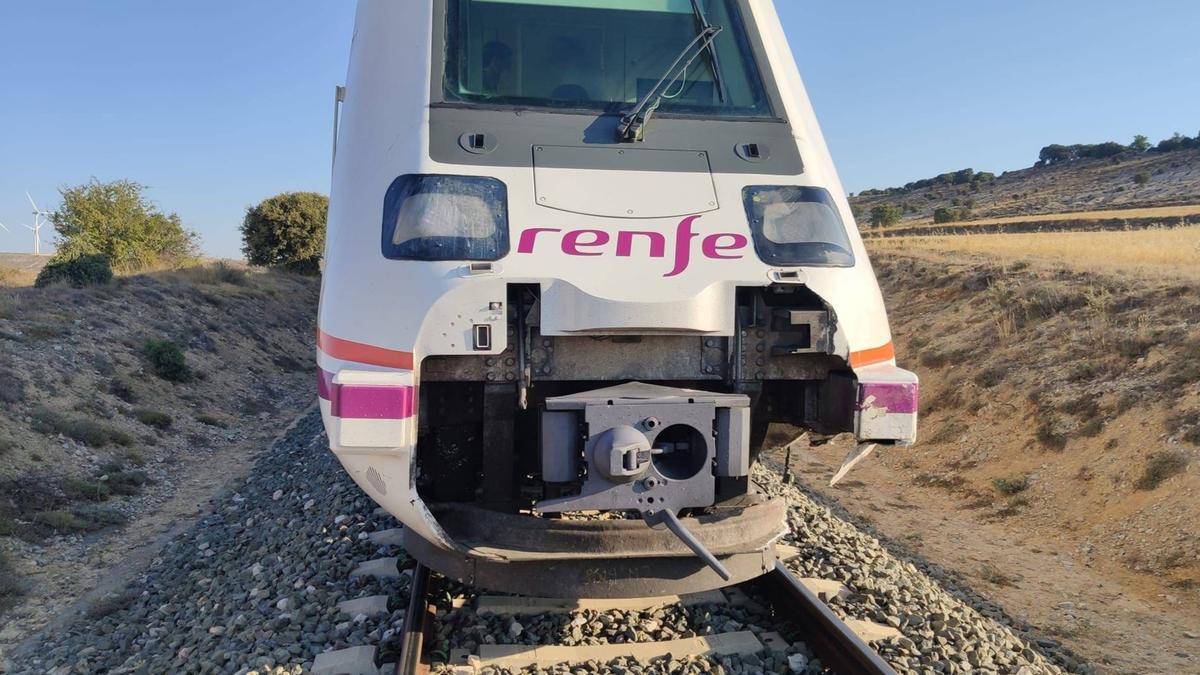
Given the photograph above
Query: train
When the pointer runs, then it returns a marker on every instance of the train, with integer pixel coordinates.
(581, 254)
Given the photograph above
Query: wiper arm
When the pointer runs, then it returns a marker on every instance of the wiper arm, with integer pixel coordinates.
(711, 48)
(633, 124)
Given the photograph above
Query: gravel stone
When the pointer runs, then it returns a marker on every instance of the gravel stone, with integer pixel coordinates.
(264, 601)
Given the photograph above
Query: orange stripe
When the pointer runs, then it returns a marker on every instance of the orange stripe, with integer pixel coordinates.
(870, 357)
(360, 353)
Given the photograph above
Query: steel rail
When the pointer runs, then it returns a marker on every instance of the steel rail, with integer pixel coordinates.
(830, 638)
(416, 624)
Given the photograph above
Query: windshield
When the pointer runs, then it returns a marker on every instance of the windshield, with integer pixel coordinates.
(597, 55)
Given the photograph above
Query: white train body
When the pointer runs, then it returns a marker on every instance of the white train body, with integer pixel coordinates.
(497, 256)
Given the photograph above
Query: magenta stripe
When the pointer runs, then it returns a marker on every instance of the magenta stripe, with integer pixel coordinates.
(896, 398)
(373, 402)
(324, 384)
(366, 402)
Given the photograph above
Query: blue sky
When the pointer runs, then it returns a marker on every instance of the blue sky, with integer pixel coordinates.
(218, 104)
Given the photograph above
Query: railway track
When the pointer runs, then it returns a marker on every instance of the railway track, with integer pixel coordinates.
(793, 602)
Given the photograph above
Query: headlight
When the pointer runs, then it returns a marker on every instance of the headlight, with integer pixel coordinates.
(795, 225)
(427, 217)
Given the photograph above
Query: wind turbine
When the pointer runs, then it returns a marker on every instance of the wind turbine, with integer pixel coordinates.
(38, 215)
(4, 227)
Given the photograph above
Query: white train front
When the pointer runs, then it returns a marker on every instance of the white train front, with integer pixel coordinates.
(580, 254)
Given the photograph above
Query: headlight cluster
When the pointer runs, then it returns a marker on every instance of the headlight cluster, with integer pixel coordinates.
(431, 217)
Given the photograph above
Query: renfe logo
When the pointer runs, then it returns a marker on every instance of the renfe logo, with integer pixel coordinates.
(595, 243)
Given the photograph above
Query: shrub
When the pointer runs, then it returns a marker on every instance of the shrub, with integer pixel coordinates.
(949, 215)
(13, 389)
(1134, 346)
(122, 481)
(153, 418)
(62, 522)
(1141, 178)
(287, 231)
(1012, 485)
(115, 220)
(211, 420)
(885, 215)
(991, 376)
(167, 360)
(7, 445)
(79, 271)
(1161, 466)
(88, 432)
(80, 489)
(10, 589)
(124, 388)
(96, 517)
(1140, 144)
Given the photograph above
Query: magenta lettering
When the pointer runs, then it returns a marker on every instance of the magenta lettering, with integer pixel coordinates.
(592, 243)
(658, 244)
(571, 243)
(529, 238)
(713, 248)
(683, 245)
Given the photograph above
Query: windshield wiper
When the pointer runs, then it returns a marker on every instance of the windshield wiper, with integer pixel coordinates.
(713, 60)
(633, 124)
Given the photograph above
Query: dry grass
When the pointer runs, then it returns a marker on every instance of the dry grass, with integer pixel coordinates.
(1111, 214)
(1152, 251)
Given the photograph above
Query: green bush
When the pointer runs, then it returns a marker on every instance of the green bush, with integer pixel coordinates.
(153, 418)
(115, 220)
(167, 360)
(80, 271)
(287, 231)
(949, 215)
(1142, 177)
(886, 215)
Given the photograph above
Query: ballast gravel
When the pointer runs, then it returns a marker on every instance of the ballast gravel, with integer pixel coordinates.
(943, 631)
(464, 628)
(253, 587)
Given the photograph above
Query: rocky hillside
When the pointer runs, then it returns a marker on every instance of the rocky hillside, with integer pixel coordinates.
(125, 405)
(1127, 181)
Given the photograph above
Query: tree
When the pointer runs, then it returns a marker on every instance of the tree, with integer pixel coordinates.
(287, 231)
(1141, 177)
(116, 221)
(1140, 143)
(885, 215)
(1053, 154)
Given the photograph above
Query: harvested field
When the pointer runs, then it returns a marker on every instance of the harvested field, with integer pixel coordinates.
(1155, 252)
(1088, 221)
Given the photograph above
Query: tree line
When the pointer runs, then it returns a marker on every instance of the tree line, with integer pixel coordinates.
(112, 226)
(949, 179)
(1057, 154)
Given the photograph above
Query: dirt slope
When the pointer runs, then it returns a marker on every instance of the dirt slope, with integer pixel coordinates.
(1079, 186)
(1058, 466)
(104, 441)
